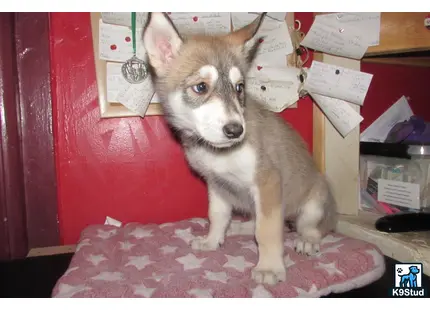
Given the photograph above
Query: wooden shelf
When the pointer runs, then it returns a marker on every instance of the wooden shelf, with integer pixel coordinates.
(402, 32)
(422, 61)
(53, 250)
(404, 247)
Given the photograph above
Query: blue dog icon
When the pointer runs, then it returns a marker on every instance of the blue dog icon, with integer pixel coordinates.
(410, 278)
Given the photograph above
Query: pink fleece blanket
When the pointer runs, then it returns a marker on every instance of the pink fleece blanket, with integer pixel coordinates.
(156, 261)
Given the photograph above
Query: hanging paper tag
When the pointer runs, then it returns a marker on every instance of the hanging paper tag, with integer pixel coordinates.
(277, 87)
(335, 38)
(343, 117)
(137, 97)
(338, 82)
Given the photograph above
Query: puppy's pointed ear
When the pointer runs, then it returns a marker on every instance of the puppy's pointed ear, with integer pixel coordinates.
(246, 38)
(161, 41)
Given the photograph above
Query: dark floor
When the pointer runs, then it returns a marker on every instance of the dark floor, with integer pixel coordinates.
(36, 277)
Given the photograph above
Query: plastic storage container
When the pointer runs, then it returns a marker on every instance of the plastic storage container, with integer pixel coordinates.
(400, 182)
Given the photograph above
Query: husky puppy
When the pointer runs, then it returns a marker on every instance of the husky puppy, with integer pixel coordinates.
(250, 158)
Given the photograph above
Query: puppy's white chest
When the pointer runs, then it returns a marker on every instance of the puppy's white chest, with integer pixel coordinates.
(237, 166)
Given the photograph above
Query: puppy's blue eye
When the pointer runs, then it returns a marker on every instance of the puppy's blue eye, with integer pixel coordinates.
(240, 87)
(200, 88)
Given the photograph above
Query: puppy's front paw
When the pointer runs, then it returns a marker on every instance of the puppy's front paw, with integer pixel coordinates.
(204, 244)
(306, 247)
(269, 276)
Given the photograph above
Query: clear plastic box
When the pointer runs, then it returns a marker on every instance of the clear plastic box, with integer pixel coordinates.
(399, 182)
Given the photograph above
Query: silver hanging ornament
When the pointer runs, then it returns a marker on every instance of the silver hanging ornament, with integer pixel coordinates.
(134, 70)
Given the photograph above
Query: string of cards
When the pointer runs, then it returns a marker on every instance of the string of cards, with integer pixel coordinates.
(269, 79)
(336, 89)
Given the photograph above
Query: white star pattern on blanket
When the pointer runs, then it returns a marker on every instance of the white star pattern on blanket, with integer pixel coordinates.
(288, 261)
(83, 243)
(199, 221)
(313, 291)
(241, 228)
(140, 233)
(139, 262)
(249, 245)
(216, 276)
(330, 239)
(260, 292)
(157, 278)
(332, 249)
(168, 249)
(109, 276)
(96, 259)
(237, 262)
(126, 245)
(67, 291)
(144, 291)
(184, 234)
(201, 293)
(330, 268)
(190, 261)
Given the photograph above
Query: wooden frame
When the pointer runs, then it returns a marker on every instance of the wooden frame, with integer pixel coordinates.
(13, 232)
(37, 146)
(111, 109)
(28, 193)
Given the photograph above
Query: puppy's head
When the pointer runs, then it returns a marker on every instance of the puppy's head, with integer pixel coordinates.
(201, 79)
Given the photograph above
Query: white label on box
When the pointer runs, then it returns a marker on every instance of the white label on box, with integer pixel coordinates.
(402, 194)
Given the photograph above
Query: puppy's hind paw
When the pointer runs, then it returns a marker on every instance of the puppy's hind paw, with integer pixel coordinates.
(305, 247)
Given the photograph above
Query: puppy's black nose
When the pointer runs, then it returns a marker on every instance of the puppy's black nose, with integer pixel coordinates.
(233, 130)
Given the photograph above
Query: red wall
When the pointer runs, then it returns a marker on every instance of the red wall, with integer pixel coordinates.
(127, 168)
(389, 83)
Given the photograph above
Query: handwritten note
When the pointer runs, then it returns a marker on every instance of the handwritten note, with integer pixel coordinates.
(274, 47)
(115, 43)
(201, 23)
(137, 97)
(240, 20)
(124, 18)
(332, 37)
(368, 24)
(343, 117)
(115, 82)
(337, 82)
(276, 87)
(379, 129)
